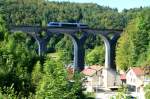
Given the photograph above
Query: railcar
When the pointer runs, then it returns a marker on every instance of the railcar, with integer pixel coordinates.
(66, 25)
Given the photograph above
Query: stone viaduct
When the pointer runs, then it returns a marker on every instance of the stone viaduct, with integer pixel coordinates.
(78, 42)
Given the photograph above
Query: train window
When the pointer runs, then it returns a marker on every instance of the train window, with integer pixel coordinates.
(69, 25)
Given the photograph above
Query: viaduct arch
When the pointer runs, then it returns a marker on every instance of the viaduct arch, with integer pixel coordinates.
(78, 43)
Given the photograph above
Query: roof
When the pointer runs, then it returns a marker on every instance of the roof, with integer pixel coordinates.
(89, 72)
(96, 67)
(138, 71)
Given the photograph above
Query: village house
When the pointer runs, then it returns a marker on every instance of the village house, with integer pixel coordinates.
(135, 81)
(93, 77)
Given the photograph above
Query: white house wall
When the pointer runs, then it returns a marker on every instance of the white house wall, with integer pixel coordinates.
(133, 80)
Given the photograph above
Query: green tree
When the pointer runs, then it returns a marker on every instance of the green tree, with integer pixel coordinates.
(54, 83)
(124, 54)
(16, 62)
(2, 27)
(37, 73)
(65, 49)
(147, 91)
(96, 56)
(133, 45)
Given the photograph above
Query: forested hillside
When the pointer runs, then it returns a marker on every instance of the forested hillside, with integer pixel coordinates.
(22, 74)
(133, 47)
(36, 11)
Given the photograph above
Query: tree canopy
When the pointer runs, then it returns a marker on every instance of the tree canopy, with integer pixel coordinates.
(133, 46)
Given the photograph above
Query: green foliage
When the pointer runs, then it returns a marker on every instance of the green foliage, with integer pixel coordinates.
(37, 73)
(54, 83)
(95, 56)
(64, 57)
(65, 50)
(34, 12)
(2, 27)
(16, 60)
(147, 91)
(8, 93)
(133, 47)
(123, 54)
(122, 94)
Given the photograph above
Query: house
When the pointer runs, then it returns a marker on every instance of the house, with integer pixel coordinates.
(135, 81)
(93, 77)
(134, 78)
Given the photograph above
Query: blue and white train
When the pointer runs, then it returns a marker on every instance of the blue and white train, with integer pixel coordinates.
(65, 25)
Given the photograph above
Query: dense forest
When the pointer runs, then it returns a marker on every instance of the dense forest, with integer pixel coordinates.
(24, 75)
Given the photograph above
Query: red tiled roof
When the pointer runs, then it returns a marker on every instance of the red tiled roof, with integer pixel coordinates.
(138, 71)
(96, 67)
(91, 70)
(123, 76)
(88, 71)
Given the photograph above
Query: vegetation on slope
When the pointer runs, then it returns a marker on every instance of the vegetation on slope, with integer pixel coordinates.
(21, 72)
(134, 45)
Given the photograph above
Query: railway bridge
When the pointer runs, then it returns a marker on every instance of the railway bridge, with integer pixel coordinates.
(78, 42)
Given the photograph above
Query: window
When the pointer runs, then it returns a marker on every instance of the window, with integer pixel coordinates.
(130, 73)
(69, 25)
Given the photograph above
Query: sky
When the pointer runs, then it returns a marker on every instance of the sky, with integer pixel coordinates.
(119, 4)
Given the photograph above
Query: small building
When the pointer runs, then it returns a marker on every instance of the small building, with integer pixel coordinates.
(135, 81)
(93, 77)
(134, 78)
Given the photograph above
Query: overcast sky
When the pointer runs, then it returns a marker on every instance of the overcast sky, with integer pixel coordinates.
(120, 4)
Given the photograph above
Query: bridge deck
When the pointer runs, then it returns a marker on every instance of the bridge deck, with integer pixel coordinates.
(62, 30)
